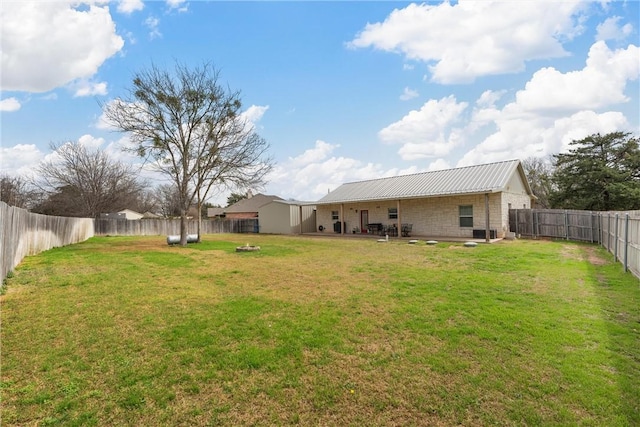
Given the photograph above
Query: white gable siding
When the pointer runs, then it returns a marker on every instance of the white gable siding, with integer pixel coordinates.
(515, 185)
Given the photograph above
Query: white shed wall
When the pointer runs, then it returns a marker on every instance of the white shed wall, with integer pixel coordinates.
(285, 218)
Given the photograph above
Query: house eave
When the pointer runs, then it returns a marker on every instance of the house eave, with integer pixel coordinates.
(410, 197)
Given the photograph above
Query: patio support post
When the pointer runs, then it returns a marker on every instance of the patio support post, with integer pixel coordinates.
(399, 218)
(487, 233)
(342, 226)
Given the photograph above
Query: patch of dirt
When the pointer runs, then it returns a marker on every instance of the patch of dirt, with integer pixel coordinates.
(571, 252)
(589, 253)
(594, 258)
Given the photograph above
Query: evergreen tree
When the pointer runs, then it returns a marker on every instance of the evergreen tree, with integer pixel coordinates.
(600, 172)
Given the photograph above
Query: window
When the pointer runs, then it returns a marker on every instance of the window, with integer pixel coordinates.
(393, 213)
(466, 215)
(334, 215)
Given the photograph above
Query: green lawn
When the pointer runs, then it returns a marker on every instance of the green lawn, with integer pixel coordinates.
(320, 331)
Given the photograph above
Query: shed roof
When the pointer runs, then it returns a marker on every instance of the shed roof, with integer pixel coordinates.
(487, 178)
(251, 204)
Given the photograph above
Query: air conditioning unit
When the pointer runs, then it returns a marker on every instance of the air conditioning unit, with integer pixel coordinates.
(481, 234)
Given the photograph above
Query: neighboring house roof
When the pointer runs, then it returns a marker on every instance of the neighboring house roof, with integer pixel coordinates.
(251, 204)
(150, 215)
(487, 178)
(211, 212)
(294, 202)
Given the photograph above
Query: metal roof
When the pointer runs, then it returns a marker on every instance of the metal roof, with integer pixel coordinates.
(487, 178)
(252, 204)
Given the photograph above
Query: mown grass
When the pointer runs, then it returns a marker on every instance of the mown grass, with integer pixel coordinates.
(320, 331)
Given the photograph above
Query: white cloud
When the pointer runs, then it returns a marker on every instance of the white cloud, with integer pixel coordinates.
(50, 96)
(538, 137)
(90, 141)
(88, 88)
(254, 113)
(130, 6)
(316, 171)
(179, 5)
(556, 139)
(427, 132)
(438, 165)
(102, 122)
(489, 98)
(152, 23)
(600, 83)
(20, 159)
(490, 37)
(47, 44)
(408, 94)
(552, 109)
(316, 154)
(610, 29)
(10, 104)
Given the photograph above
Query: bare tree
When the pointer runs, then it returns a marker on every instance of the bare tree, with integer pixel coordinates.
(86, 182)
(539, 172)
(168, 200)
(16, 191)
(192, 130)
(145, 201)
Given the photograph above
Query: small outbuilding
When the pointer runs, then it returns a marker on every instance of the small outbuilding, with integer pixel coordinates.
(287, 217)
(249, 207)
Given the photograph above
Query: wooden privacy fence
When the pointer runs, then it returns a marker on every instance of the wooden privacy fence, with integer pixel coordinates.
(618, 232)
(565, 224)
(155, 227)
(24, 233)
(621, 237)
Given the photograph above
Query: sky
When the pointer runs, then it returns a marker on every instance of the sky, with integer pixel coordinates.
(342, 91)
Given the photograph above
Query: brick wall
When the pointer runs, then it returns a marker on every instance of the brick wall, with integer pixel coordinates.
(434, 217)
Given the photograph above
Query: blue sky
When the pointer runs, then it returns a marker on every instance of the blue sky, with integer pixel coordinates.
(342, 91)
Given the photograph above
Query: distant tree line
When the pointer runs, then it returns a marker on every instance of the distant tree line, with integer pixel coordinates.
(598, 173)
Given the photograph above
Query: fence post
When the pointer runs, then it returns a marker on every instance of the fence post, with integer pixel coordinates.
(517, 223)
(626, 240)
(615, 240)
(609, 232)
(566, 226)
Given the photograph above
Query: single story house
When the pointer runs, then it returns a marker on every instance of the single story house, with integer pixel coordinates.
(215, 212)
(467, 202)
(123, 214)
(287, 217)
